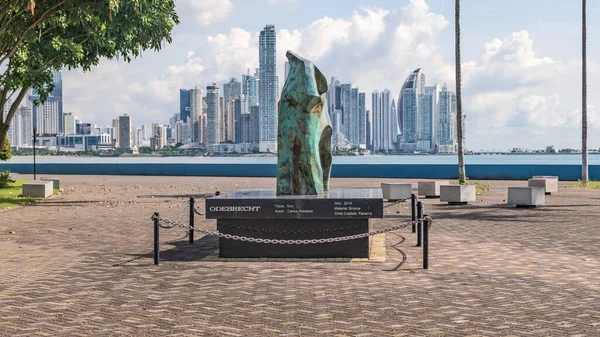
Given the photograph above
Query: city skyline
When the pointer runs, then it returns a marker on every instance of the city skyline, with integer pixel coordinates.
(525, 102)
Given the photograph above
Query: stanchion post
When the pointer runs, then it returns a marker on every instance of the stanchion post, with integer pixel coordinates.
(191, 233)
(419, 223)
(426, 242)
(156, 238)
(413, 210)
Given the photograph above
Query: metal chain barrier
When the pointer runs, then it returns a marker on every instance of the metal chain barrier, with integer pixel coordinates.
(421, 218)
(285, 242)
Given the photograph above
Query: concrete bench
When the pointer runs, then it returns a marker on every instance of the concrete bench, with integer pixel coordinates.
(55, 181)
(37, 189)
(545, 177)
(549, 184)
(526, 196)
(396, 191)
(431, 189)
(458, 194)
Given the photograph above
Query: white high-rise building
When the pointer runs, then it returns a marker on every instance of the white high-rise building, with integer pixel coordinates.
(428, 118)
(267, 93)
(446, 130)
(214, 120)
(408, 106)
(69, 123)
(196, 106)
(382, 121)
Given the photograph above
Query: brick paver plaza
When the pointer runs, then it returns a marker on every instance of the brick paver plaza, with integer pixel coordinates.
(80, 264)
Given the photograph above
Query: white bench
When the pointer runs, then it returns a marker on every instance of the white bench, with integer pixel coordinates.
(549, 184)
(431, 189)
(37, 189)
(526, 196)
(55, 182)
(458, 194)
(13, 176)
(396, 191)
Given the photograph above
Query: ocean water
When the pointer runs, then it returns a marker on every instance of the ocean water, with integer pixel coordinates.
(545, 159)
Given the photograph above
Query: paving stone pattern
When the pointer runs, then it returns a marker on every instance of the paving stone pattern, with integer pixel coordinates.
(80, 264)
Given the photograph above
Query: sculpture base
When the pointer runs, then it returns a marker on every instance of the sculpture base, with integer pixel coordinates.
(293, 229)
(262, 214)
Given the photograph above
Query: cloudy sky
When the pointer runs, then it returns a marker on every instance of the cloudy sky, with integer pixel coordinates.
(521, 60)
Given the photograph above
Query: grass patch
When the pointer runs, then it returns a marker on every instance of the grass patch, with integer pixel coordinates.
(480, 187)
(580, 184)
(10, 195)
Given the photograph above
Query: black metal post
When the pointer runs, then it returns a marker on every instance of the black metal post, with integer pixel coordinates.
(413, 210)
(192, 203)
(34, 139)
(426, 244)
(420, 223)
(156, 239)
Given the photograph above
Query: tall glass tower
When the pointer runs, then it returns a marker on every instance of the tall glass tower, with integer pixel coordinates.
(267, 89)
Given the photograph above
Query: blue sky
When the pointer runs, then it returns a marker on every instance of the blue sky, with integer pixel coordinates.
(521, 60)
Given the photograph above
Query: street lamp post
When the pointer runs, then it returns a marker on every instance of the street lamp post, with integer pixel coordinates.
(34, 139)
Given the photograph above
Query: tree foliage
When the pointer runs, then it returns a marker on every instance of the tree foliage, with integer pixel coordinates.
(39, 37)
(6, 153)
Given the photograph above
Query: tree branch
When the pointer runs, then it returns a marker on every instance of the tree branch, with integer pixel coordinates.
(14, 106)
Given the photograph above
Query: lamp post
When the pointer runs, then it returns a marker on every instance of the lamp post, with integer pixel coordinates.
(34, 139)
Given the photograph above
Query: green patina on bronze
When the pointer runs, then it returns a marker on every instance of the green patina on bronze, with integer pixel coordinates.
(304, 131)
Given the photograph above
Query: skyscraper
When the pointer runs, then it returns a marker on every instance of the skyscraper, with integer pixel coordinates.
(196, 107)
(250, 89)
(213, 126)
(362, 120)
(47, 117)
(447, 117)
(427, 118)
(408, 105)
(267, 93)
(125, 132)
(382, 125)
(184, 104)
(231, 91)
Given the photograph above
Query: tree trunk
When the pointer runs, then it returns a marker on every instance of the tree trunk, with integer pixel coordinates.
(5, 124)
(459, 117)
(584, 131)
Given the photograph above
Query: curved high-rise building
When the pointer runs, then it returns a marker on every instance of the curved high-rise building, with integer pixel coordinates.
(408, 105)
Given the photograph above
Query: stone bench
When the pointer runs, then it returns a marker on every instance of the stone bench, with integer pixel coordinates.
(458, 194)
(549, 184)
(396, 191)
(431, 189)
(526, 196)
(37, 189)
(55, 182)
(545, 177)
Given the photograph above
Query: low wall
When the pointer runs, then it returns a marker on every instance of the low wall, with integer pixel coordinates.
(427, 171)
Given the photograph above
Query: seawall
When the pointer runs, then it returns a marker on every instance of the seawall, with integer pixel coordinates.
(426, 171)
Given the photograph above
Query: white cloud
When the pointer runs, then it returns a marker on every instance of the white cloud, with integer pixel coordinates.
(204, 12)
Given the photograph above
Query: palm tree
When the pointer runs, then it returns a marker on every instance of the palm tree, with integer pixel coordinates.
(459, 116)
(584, 133)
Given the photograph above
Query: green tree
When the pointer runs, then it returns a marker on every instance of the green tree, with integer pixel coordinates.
(6, 153)
(459, 113)
(39, 37)
(584, 131)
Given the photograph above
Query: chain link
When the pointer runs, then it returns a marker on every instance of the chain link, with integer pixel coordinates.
(171, 223)
(394, 203)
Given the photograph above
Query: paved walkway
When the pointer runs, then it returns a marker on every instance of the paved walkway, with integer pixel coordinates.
(80, 264)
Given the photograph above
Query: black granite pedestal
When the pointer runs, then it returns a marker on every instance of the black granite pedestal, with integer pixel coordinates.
(262, 214)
